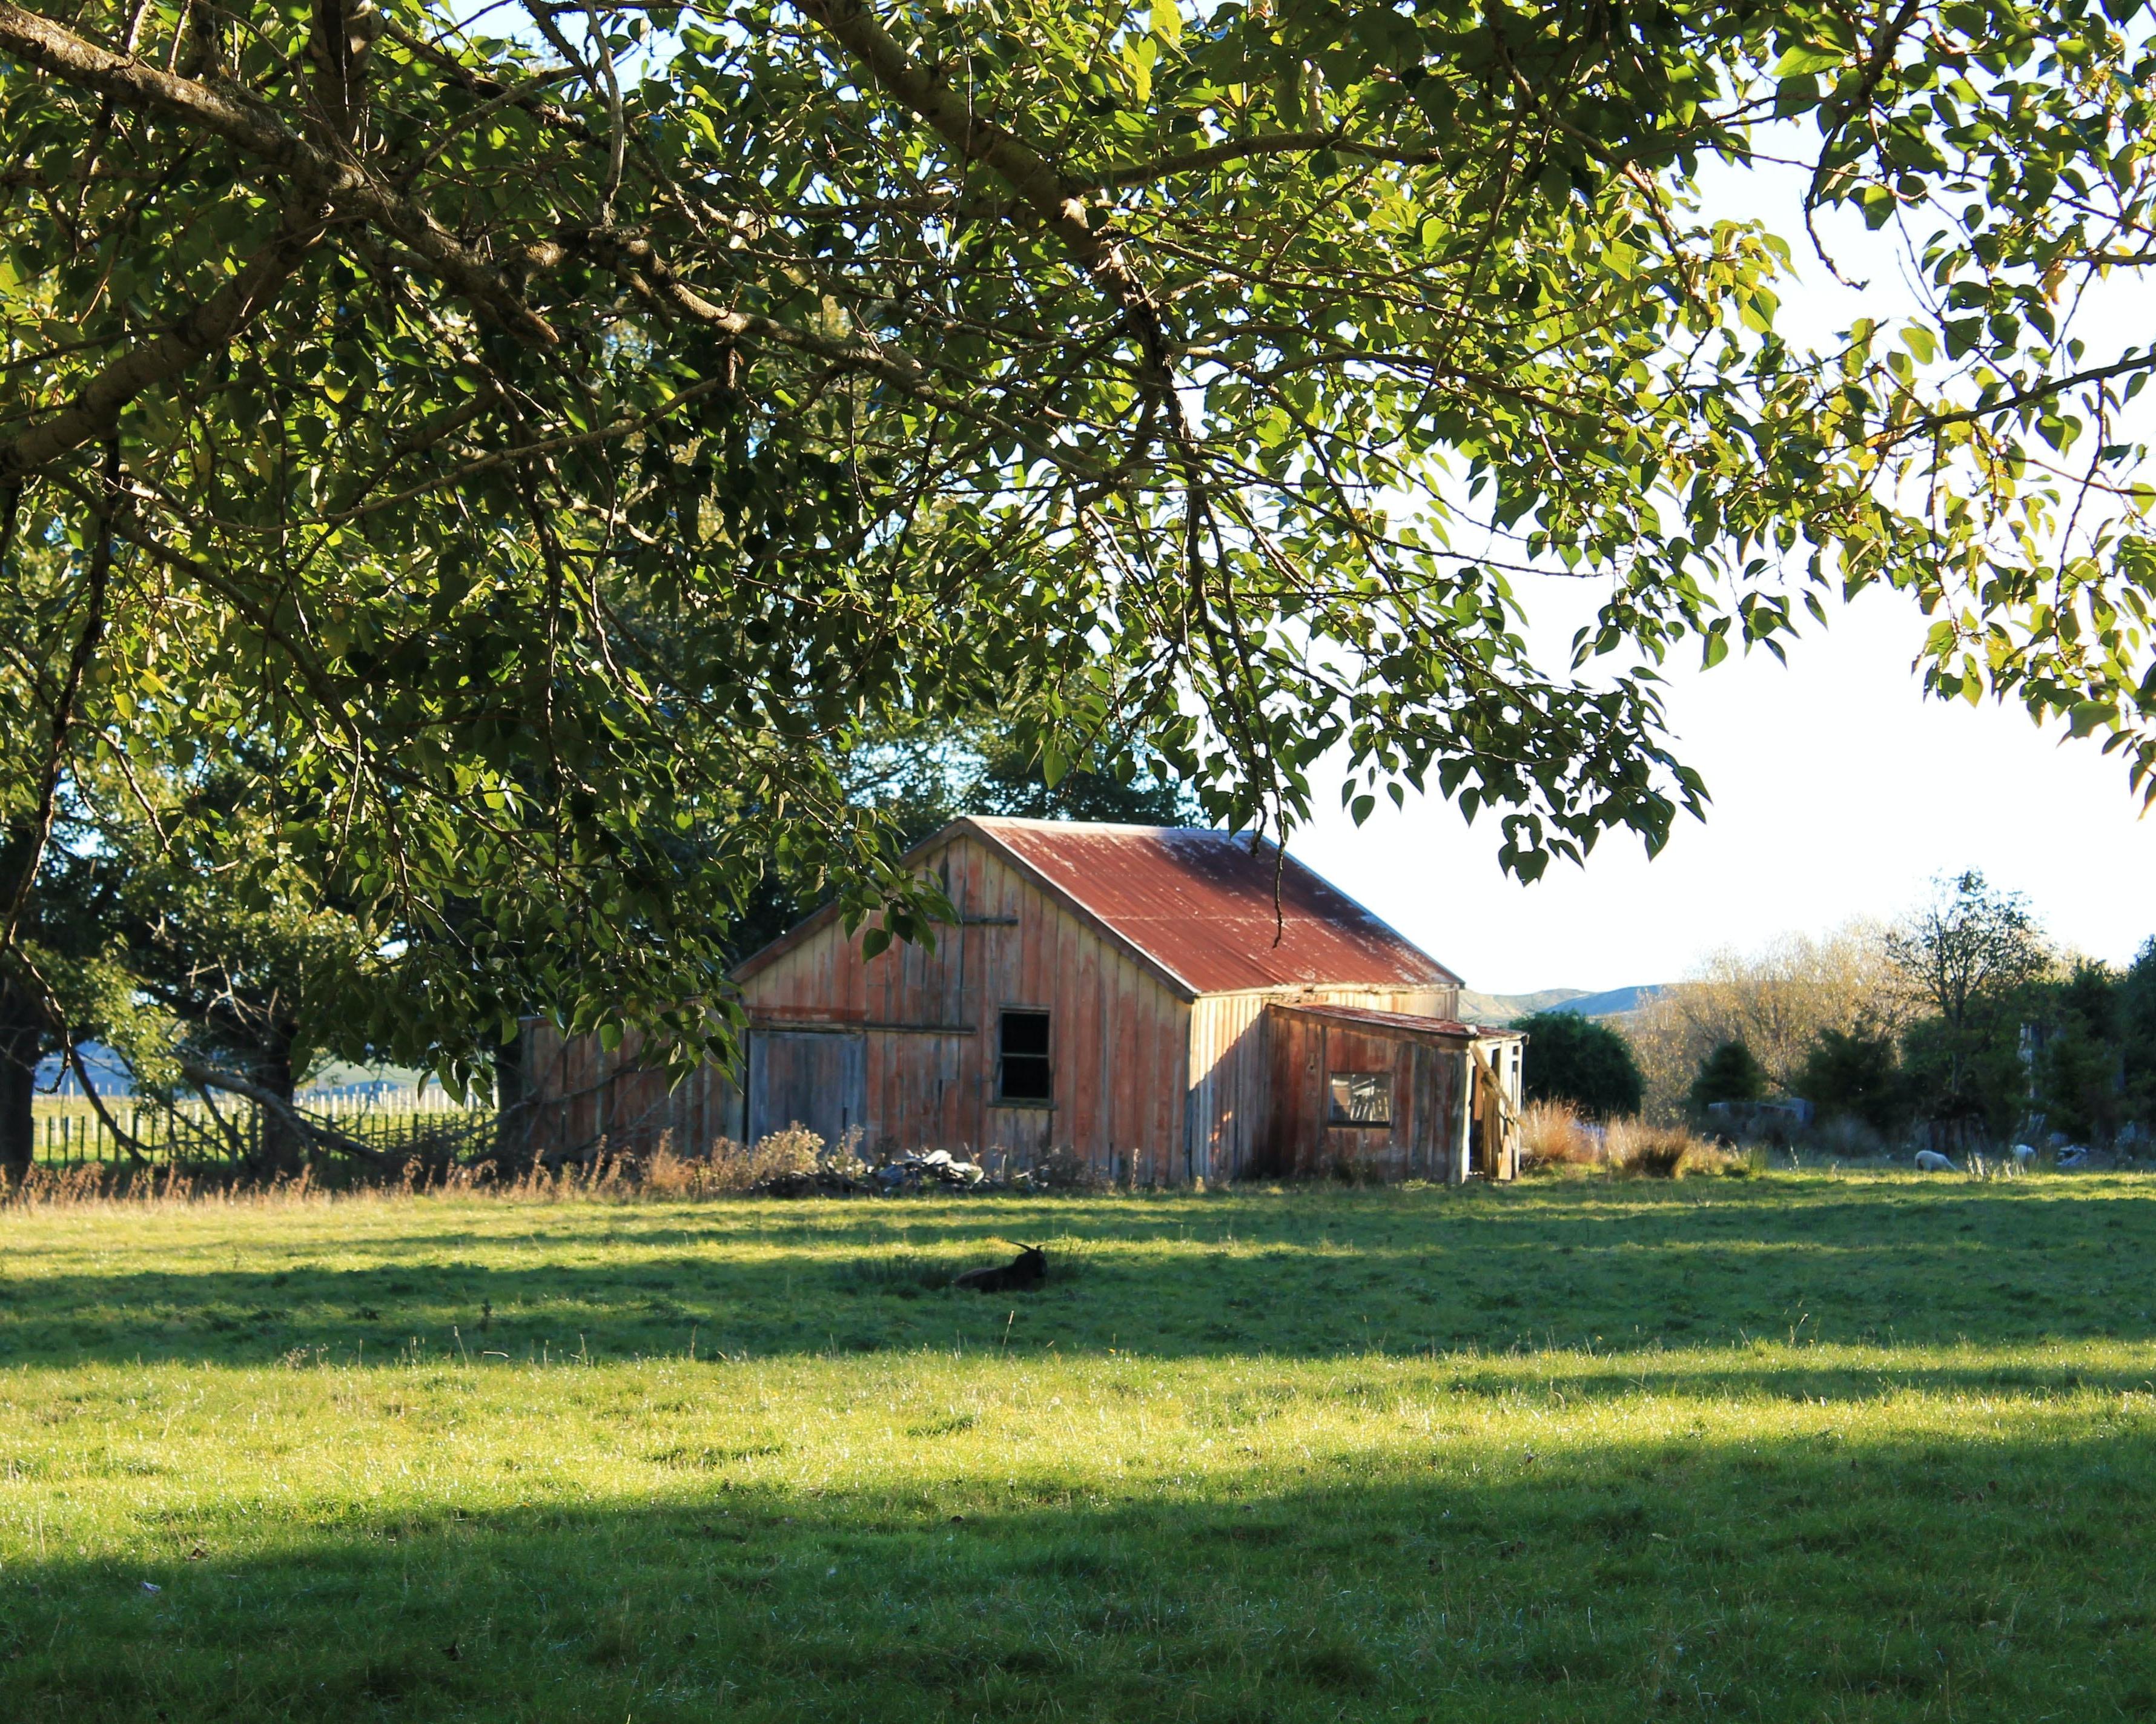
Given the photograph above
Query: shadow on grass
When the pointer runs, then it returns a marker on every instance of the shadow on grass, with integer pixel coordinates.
(1984, 1579)
(1619, 1270)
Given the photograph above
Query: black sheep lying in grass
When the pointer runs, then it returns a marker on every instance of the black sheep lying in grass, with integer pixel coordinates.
(1028, 1270)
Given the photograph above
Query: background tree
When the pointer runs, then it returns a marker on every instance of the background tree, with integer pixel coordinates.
(1729, 1074)
(1968, 959)
(1857, 1074)
(558, 439)
(1574, 1059)
(258, 982)
(1779, 1002)
(921, 779)
(2137, 1011)
(2077, 1078)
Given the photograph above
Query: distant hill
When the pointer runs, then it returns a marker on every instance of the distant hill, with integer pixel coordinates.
(1504, 1007)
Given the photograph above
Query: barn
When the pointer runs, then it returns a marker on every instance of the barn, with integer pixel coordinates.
(1173, 1004)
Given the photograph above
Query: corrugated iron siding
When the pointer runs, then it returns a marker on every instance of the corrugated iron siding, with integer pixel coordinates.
(1422, 1141)
(931, 1020)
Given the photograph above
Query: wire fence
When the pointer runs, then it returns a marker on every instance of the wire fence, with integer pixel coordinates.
(393, 1122)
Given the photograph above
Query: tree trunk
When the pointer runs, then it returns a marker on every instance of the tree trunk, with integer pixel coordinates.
(279, 1149)
(22, 1040)
(512, 1099)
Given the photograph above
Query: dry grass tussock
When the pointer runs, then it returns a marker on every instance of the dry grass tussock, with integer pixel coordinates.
(728, 1168)
(1555, 1134)
(1647, 1151)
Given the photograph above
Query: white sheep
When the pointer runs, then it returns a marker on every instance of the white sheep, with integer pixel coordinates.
(2023, 1153)
(1930, 1161)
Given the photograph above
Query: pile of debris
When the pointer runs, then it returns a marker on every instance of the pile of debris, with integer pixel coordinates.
(933, 1167)
(844, 1174)
(924, 1170)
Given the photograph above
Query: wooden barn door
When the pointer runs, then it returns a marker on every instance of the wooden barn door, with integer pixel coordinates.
(813, 1080)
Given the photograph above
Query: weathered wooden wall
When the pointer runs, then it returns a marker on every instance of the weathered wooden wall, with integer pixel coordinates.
(930, 1022)
(583, 1098)
(1148, 1085)
(1422, 1141)
(1231, 1061)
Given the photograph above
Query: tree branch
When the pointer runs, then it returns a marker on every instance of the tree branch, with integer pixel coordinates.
(652, 279)
(1926, 423)
(1040, 186)
(94, 415)
(209, 1077)
(1277, 143)
(126, 1140)
(493, 91)
(39, 42)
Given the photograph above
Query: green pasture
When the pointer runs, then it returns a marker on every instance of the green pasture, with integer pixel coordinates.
(1788, 1447)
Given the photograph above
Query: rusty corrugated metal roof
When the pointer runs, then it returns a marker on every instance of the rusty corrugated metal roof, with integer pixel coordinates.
(1199, 905)
(1363, 1018)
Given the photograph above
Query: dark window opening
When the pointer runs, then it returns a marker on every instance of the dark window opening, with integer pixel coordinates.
(1361, 1098)
(1022, 1071)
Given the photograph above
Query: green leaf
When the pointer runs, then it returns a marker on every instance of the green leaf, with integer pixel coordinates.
(1807, 58)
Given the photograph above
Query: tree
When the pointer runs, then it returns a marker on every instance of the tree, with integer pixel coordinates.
(1856, 1075)
(59, 994)
(1728, 1074)
(2138, 1033)
(1778, 1001)
(1968, 957)
(555, 447)
(1011, 780)
(258, 982)
(2077, 1055)
(1574, 1059)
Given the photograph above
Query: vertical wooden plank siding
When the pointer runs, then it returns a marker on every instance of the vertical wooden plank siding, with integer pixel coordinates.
(1229, 1072)
(585, 1101)
(1428, 1136)
(1147, 1083)
(1233, 1066)
(932, 1022)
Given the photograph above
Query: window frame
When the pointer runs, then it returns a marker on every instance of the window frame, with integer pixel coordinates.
(1045, 1058)
(1335, 1121)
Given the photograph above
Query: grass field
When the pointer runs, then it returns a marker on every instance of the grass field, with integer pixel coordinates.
(1790, 1447)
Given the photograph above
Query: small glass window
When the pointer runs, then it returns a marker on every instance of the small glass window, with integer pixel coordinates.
(1022, 1073)
(1361, 1098)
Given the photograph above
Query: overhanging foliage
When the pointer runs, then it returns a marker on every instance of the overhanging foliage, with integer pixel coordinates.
(537, 438)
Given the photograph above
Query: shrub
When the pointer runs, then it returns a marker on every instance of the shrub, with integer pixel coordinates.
(1847, 1138)
(1728, 1074)
(1574, 1059)
(1857, 1075)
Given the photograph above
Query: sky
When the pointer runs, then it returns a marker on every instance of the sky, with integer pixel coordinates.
(1840, 790)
